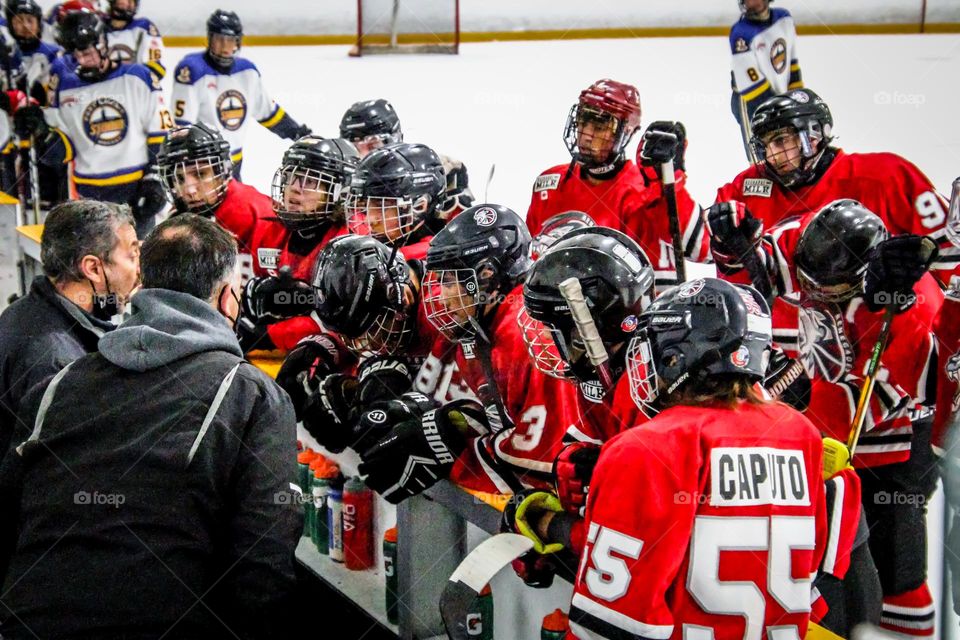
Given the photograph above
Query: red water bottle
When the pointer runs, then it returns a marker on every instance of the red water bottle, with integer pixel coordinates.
(357, 525)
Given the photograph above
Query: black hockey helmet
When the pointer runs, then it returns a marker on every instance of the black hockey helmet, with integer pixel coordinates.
(617, 280)
(124, 15)
(697, 330)
(311, 185)
(557, 226)
(14, 8)
(478, 258)
(227, 24)
(394, 191)
(364, 293)
(743, 8)
(81, 30)
(193, 161)
(371, 124)
(800, 111)
(834, 250)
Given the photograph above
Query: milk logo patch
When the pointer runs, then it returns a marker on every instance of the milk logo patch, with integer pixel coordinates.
(105, 122)
(592, 390)
(778, 55)
(759, 187)
(751, 476)
(268, 258)
(231, 109)
(546, 183)
(485, 216)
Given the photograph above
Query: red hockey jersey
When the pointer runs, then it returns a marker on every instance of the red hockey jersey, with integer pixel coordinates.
(248, 215)
(630, 202)
(538, 408)
(704, 523)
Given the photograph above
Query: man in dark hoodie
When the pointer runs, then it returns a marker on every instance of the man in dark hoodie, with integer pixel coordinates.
(91, 263)
(154, 491)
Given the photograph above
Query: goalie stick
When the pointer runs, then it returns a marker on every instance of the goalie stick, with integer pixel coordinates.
(475, 572)
(572, 292)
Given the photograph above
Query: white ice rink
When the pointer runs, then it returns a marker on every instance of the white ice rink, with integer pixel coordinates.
(506, 104)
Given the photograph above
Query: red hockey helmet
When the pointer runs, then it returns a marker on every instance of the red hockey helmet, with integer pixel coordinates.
(613, 110)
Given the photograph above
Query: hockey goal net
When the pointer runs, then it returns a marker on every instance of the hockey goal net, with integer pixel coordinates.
(407, 26)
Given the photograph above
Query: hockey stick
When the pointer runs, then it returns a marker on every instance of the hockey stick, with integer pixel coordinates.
(475, 572)
(486, 187)
(34, 170)
(670, 193)
(873, 365)
(572, 292)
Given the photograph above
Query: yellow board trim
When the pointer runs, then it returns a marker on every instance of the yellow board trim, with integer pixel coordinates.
(29, 231)
(7, 199)
(267, 361)
(756, 92)
(568, 34)
(275, 118)
(126, 178)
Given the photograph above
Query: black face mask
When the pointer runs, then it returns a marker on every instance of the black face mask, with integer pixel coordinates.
(106, 305)
(236, 318)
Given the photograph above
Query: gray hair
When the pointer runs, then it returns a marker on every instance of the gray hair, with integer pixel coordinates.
(190, 254)
(76, 229)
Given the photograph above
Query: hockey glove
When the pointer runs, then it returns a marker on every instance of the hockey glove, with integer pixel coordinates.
(787, 380)
(11, 101)
(271, 298)
(151, 197)
(663, 141)
(572, 471)
(896, 265)
(301, 131)
(421, 449)
(538, 567)
(28, 121)
(313, 358)
(457, 195)
(734, 233)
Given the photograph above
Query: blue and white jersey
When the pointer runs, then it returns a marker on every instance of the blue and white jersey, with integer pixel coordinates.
(230, 102)
(764, 58)
(138, 42)
(38, 61)
(110, 128)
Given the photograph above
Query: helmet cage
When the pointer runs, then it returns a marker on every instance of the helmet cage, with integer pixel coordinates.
(582, 114)
(372, 142)
(174, 176)
(397, 219)
(642, 374)
(389, 334)
(327, 188)
(541, 343)
(451, 299)
(813, 143)
(831, 293)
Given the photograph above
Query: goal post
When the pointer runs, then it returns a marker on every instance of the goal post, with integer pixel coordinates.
(407, 26)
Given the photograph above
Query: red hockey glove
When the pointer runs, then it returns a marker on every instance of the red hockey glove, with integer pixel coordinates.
(572, 471)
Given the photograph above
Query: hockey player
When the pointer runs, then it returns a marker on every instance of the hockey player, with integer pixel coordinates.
(472, 295)
(26, 26)
(109, 119)
(601, 182)
(371, 124)
(764, 48)
(220, 88)
(394, 197)
(134, 39)
(847, 273)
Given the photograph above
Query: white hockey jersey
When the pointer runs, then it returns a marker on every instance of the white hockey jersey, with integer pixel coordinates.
(139, 42)
(231, 102)
(37, 62)
(108, 126)
(764, 60)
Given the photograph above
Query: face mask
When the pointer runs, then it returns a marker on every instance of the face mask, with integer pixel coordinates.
(236, 318)
(105, 305)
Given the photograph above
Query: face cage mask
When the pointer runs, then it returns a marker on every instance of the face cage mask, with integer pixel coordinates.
(581, 115)
(389, 220)
(953, 215)
(390, 334)
(830, 294)
(642, 375)
(319, 195)
(175, 179)
(225, 62)
(809, 157)
(452, 300)
(541, 346)
(370, 143)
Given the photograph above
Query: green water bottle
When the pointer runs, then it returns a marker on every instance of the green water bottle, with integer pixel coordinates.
(390, 573)
(480, 616)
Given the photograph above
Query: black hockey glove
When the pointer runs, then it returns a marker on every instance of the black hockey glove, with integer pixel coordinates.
(787, 380)
(457, 195)
(28, 121)
(299, 132)
(572, 472)
(896, 265)
(420, 449)
(734, 233)
(663, 141)
(151, 197)
(271, 298)
(313, 358)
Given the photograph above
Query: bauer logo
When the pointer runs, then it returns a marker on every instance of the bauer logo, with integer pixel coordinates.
(105, 122)
(547, 182)
(758, 187)
(485, 216)
(231, 109)
(750, 476)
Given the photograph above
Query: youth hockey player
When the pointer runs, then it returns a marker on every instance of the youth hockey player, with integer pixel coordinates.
(25, 20)
(601, 182)
(371, 124)
(764, 48)
(134, 39)
(110, 119)
(219, 87)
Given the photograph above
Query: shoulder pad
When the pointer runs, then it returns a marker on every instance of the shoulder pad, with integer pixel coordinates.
(243, 64)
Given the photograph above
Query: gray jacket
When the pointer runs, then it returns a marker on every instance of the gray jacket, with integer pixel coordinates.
(155, 488)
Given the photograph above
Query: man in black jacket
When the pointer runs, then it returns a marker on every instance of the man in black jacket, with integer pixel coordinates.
(91, 260)
(154, 489)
